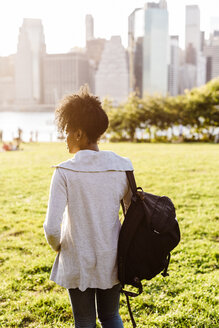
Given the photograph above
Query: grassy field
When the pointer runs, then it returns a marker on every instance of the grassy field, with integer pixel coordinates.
(187, 173)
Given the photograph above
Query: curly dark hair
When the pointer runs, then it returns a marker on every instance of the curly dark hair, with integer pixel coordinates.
(82, 111)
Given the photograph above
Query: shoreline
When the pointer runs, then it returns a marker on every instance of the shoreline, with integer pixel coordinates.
(27, 108)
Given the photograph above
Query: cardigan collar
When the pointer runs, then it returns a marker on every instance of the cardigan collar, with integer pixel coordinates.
(96, 161)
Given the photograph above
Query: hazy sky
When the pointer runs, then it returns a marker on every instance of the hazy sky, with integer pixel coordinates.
(64, 20)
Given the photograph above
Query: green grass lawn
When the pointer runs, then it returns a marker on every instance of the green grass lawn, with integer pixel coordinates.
(187, 173)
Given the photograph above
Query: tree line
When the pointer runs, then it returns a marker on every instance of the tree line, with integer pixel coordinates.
(156, 116)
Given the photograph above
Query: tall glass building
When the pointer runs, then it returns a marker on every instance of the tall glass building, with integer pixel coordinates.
(155, 48)
(193, 34)
(89, 27)
(28, 68)
(173, 69)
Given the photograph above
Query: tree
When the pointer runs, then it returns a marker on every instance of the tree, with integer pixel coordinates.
(197, 108)
(126, 118)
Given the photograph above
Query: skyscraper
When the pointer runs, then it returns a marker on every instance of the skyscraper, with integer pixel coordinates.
(28, 67)
(193, 34)
(187, 77)
(138, 65)
(64, 74)
(215, 55)
(202, 40)
(89, 27)
(132, 38)
(194, 44)
(155, 48)
(94, 51)
(112, 74)
(212, 55)
(201, 69)
(173, 69)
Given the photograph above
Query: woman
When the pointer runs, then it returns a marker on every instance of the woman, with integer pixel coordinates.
(82, 222)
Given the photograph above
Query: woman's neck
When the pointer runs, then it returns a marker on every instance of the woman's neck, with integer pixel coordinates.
(93, 146)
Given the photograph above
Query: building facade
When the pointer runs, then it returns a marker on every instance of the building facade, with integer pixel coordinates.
(94, 49)
(63, 74)
(155, 49)
(201, 69)
(7, 80)
(138, 65)
(89, 22)
(7, 90)
(173, 68)
(194, 47)
(28, 68)
(111, 79)
(192, 34)
(215, 57)
(187, 77)
(135, 49)
(212, 56)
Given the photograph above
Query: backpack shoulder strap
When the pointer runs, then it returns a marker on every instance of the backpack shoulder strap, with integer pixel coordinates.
(131, 180)
(133, 186)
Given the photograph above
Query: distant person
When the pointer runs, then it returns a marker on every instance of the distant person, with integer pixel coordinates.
(20, 132)
(31, 136)
(88, 188)
(1, 135)
(18, 142)
(36, 136)
(8, 146)
(11, 146)
(5, 147)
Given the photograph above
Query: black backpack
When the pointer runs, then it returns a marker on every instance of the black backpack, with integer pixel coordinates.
(148, 234)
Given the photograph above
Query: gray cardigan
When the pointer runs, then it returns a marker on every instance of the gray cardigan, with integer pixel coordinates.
(82, 220)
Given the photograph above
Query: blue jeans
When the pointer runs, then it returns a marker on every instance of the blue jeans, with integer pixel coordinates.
(107, 304)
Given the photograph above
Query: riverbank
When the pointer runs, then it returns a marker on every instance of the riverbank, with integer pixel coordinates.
(27, 108)
(35, 126)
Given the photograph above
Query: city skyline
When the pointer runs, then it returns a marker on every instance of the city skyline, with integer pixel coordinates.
(56, 25)
(153, 63)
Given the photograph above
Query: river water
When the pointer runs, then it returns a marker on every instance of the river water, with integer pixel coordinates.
(40, 126)
(36, 125)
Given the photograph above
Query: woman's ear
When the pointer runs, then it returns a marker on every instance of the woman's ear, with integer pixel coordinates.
(78, 134)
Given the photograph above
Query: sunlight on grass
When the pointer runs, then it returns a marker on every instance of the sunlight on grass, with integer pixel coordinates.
(187, 173)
